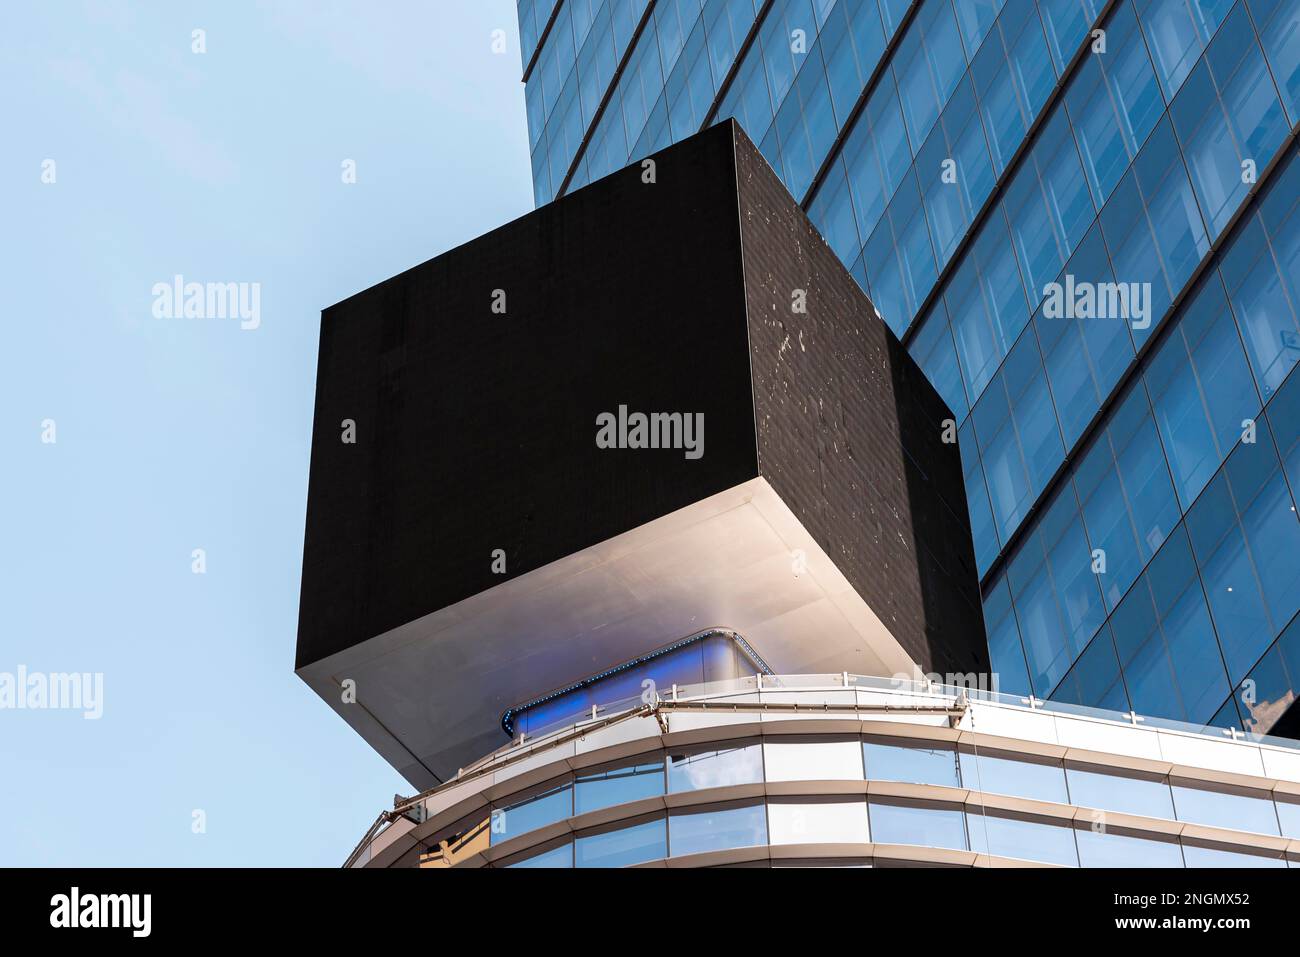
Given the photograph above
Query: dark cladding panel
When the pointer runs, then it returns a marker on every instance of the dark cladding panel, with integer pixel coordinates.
(850, 432)
(476, 431)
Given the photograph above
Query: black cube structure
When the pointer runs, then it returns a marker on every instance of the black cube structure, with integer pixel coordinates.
(655, 406)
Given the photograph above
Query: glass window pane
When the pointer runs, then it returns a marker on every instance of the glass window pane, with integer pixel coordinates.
(1241, 525)
(932, 348)
(598, 789)
(1022, 839)
(928, 63)
(1020, 777)
(623, 846)
(1006, 654)
(876, 155)
(1278, 22)
(1261, 269)
(904, 822)
(853, 41)
(892, 12)
(1171, 660)
(1114, 102)
(1094, 680)
(1288, 813)
(1284, 422)
(641, 82)
(1197, 855)
(528, 29)
(561, 856)
(983, 530)
(974, 17)
(693, 770)
(782, 57)
(1177, 31)
(1127, 792)
(1019, 439)
(1200, 389)
(1066, 23)
(900, 258)
(1128, 500)
(1048, 206)
(986, 303)
(1153, 227)
(805, 125)
(1268, 698)
(1229, 120)
(954, 171)
(1084, 350)
(548, 807)
(748, 99)
(1056, 594)
(1225, 806)
(912, 764)
(716, 829)
(832, 213)
(1111, 848)
(1227, 717)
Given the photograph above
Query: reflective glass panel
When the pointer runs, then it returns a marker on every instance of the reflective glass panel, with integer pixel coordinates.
(1025, 840)
(1129, 793)
(1199, 856)
(691, 771)
(598, 789)
(624, 846)
(716, 829)
(911, 764)
(561, 856)
(1109, 848)
(546, 808)
(1015, 776)
(1228, 807)
(911, 823)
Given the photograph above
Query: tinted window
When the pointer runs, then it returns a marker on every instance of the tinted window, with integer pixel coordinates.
(1026, 840)
(623, 847)
(1100, 848)
(898, 823)
(1134, 793)
(717, 829)
(913, 765)
(561, 856)
(519, 818)
(1225, 807)
(598, 789)
(1197, 856)
(1028, 779)
(712, 769)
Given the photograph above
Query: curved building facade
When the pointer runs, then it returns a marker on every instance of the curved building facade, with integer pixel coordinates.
(845, 770)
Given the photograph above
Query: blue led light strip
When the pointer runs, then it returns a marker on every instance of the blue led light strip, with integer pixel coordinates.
(507, 719)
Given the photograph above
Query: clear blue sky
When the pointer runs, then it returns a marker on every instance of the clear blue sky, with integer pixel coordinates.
(176, 434)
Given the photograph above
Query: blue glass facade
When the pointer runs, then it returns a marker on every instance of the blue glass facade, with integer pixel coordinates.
(1131, 480)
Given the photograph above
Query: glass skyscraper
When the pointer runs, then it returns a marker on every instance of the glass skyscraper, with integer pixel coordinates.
(1131, 479)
